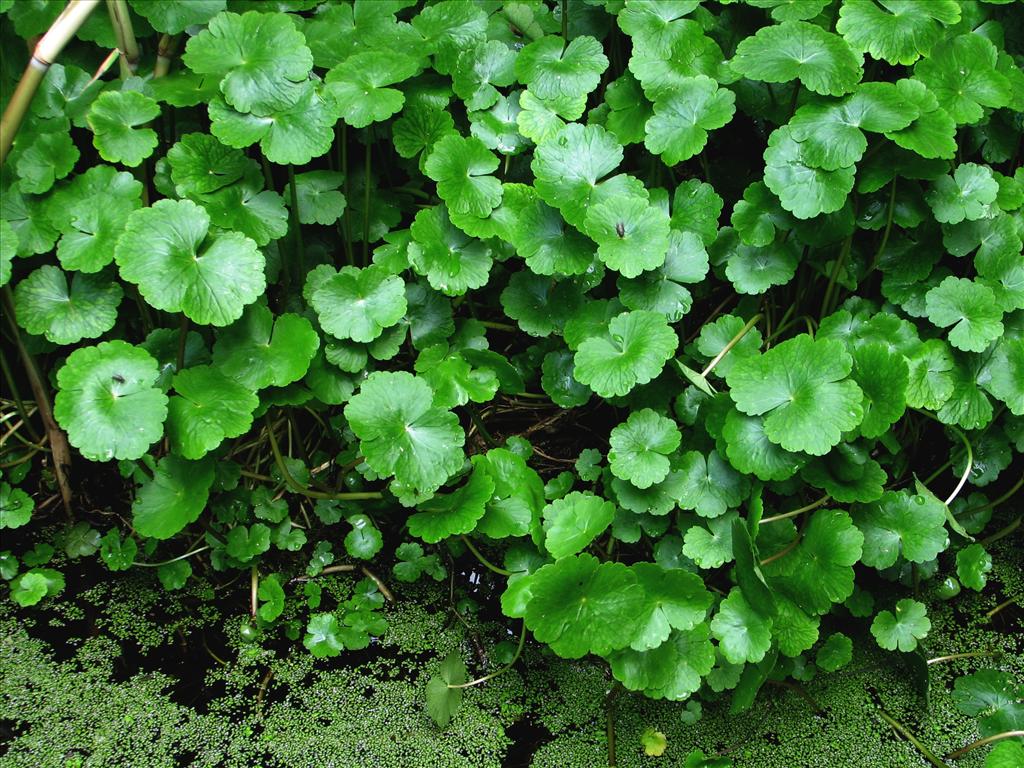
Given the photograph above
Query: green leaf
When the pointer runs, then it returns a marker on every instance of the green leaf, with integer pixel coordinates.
(632, 235)
(819, 571)
(95, 208)
(902, 629)
(803, 190)
(271, 594)
(45, 304)
(49, 157)
(174, 575)
(835, 653)
(174, 498)
(359, 304)
(673, 670)
(1005, 754)
(634, 351)
(443, 701)
(898, 32)
(674, 600)
(259, 350)
(549, 246)
(107, 401)
(711, 486)
(973, 565)
(640, 447)
(412, 563)
(750, 450)
(629, 109)
(711, 546)
(1003, 375)
(515, 506)
(15, 507)
(801, 385)
(323, 636)
(969, 307)
(967, 194)
(901, 524)
(679, 128)
(451, 261)
(650, 22)
(114, 118)
(261, 58)
(119, 554)
(498, 128)
(448, 28)
(453, 379)
(654, 742)
(574, 521)
(318, 198)
(832, 135)
(451, 514)
(559, 383)
(166, 250)
(402, 433)
(847, 474)
(359, 86)
(200, 164)
(755, 269)
(8, 247)
(716, 335)
(174, 17)
(568, 165)
(882, 376)
(930, 382)
(460, 166)
(294, 134)
(32, 586)
(479, 70)
(661, 70)
(660, 290)
(419, 128)
(553, 70)
(244, 543)
(580, 605)
(961, 73)
(743, 634)
(208, 408)
(933, 133)
(822, 61)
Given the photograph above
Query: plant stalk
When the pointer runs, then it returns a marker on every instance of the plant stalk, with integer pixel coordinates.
(46, 51)
(125, 33)
(503, 670)
(984, 742)
(732, 343)
(483, 560)
(897, 726)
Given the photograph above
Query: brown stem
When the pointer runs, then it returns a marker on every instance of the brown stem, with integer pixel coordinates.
(59, 448)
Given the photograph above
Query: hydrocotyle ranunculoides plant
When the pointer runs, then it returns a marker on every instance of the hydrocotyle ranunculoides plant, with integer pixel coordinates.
(700, 325)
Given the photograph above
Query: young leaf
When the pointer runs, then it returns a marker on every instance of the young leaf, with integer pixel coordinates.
(108, 403)
(967, 194)
(574, 521)
(973, 565)
(961, 72)
(166, 250)
(318, 198)
(803, 190)
(903, 628)
(632, 235)
(402, 433)
(451, 514)
(711, 487)
(673, 670)
(15, 507)
(835, 653)
(323, 636)
(114, 118)
(174, 17)
(359, 86)
(174, 498)
(451, 261)
(271, 594)
(50, 157)
(674, 600)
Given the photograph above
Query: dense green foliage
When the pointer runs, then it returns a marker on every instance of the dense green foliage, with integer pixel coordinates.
(699, 324)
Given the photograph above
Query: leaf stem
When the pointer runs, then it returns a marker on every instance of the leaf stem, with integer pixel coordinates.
(826, 302)
(984, 742)
(1002, 532)
(888, 227)
(366, 202)
(565, 21)
(298, 487)
(897, 726)
(182, 339)
(1001, 606)
(732, 343)
(483, 560)
(125, 34)
(172, 560)
(481, 428)
(956, 656)
(297, 233)
(503, 670)
(785, 516)
(254, 583)
(165, 51)
(967, 445)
